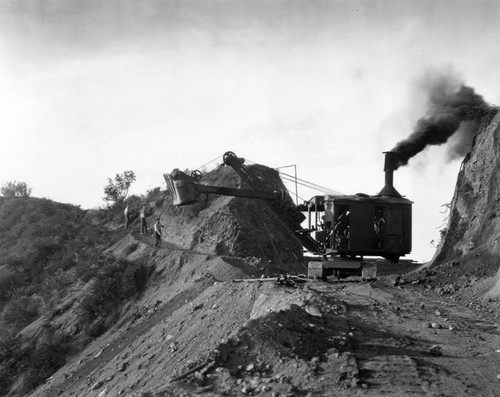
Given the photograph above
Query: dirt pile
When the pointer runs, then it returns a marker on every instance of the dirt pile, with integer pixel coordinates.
(233, 226)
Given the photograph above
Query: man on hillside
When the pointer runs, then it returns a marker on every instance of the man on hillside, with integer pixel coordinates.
(157, 228)
(127, 217)
(144, 226)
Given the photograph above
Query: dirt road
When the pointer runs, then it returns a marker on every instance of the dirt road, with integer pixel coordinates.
(370, 340)
(393, 329)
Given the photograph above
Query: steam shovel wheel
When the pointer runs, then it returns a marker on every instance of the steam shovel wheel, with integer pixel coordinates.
(227, 156)
(196, 175)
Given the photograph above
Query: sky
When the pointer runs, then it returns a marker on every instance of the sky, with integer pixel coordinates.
(91, 89)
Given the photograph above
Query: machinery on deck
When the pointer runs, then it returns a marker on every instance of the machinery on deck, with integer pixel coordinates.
(342, 231)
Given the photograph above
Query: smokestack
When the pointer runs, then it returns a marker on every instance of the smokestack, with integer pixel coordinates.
(391, 163)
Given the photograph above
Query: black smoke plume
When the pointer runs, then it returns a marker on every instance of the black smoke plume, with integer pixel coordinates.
(452, 107)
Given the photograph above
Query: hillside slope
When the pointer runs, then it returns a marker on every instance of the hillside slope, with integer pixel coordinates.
(48, 251)
(474, 222)
(77, 273)
(195, 332)
(469, 256)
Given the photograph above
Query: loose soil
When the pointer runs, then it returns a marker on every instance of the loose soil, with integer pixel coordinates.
(261, 338)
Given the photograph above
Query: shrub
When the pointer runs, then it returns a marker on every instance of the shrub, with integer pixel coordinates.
(46, 358)
(19, 312)
(36, 361)
(153, 194)
(9, 352)
(9, 279)
(115, 283)
(15, 189)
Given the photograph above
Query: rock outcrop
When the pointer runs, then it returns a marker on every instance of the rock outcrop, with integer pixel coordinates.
(474, 222)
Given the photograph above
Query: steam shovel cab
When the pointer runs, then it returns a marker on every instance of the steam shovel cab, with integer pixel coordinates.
(357, 226)
(362, 225)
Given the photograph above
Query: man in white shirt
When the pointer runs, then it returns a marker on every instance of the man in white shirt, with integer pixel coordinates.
(144, 226)
(157, 228)
(127, 218)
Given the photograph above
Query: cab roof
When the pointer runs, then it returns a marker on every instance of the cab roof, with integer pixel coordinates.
(319, 201)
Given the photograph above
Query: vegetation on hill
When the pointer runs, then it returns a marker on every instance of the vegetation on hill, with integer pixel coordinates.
(48, 250)
(15, 189)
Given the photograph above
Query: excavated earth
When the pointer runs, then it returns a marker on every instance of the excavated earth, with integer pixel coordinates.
(197, 331)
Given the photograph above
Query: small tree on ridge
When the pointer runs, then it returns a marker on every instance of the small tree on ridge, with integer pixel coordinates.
(117, 190)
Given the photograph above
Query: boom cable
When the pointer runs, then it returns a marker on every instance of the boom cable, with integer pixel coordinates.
(211, 161)
(288, 178)
(303, 182)
(311, 184)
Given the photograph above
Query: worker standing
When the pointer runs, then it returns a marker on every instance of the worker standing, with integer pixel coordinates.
(157, 228)
(379, 227)
(144, 226)
(127, 218)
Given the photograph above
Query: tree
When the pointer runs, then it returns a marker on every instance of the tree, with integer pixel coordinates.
(117, 190)
(15, 189)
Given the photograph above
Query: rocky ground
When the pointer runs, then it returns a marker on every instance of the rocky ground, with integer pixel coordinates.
(399, 335)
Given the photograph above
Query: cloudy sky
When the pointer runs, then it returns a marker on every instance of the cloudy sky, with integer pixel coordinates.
(90, 88)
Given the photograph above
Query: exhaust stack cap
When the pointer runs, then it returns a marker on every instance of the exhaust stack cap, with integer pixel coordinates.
(390, 165)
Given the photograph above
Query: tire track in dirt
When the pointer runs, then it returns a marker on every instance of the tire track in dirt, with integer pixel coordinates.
(385, 363)
(391, 336)
(385, 358)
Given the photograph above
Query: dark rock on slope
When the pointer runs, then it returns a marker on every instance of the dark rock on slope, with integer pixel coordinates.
(474, 222)
(468, 258)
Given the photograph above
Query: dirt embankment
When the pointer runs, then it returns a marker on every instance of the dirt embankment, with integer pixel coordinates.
(474, 222)
(468, 260)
